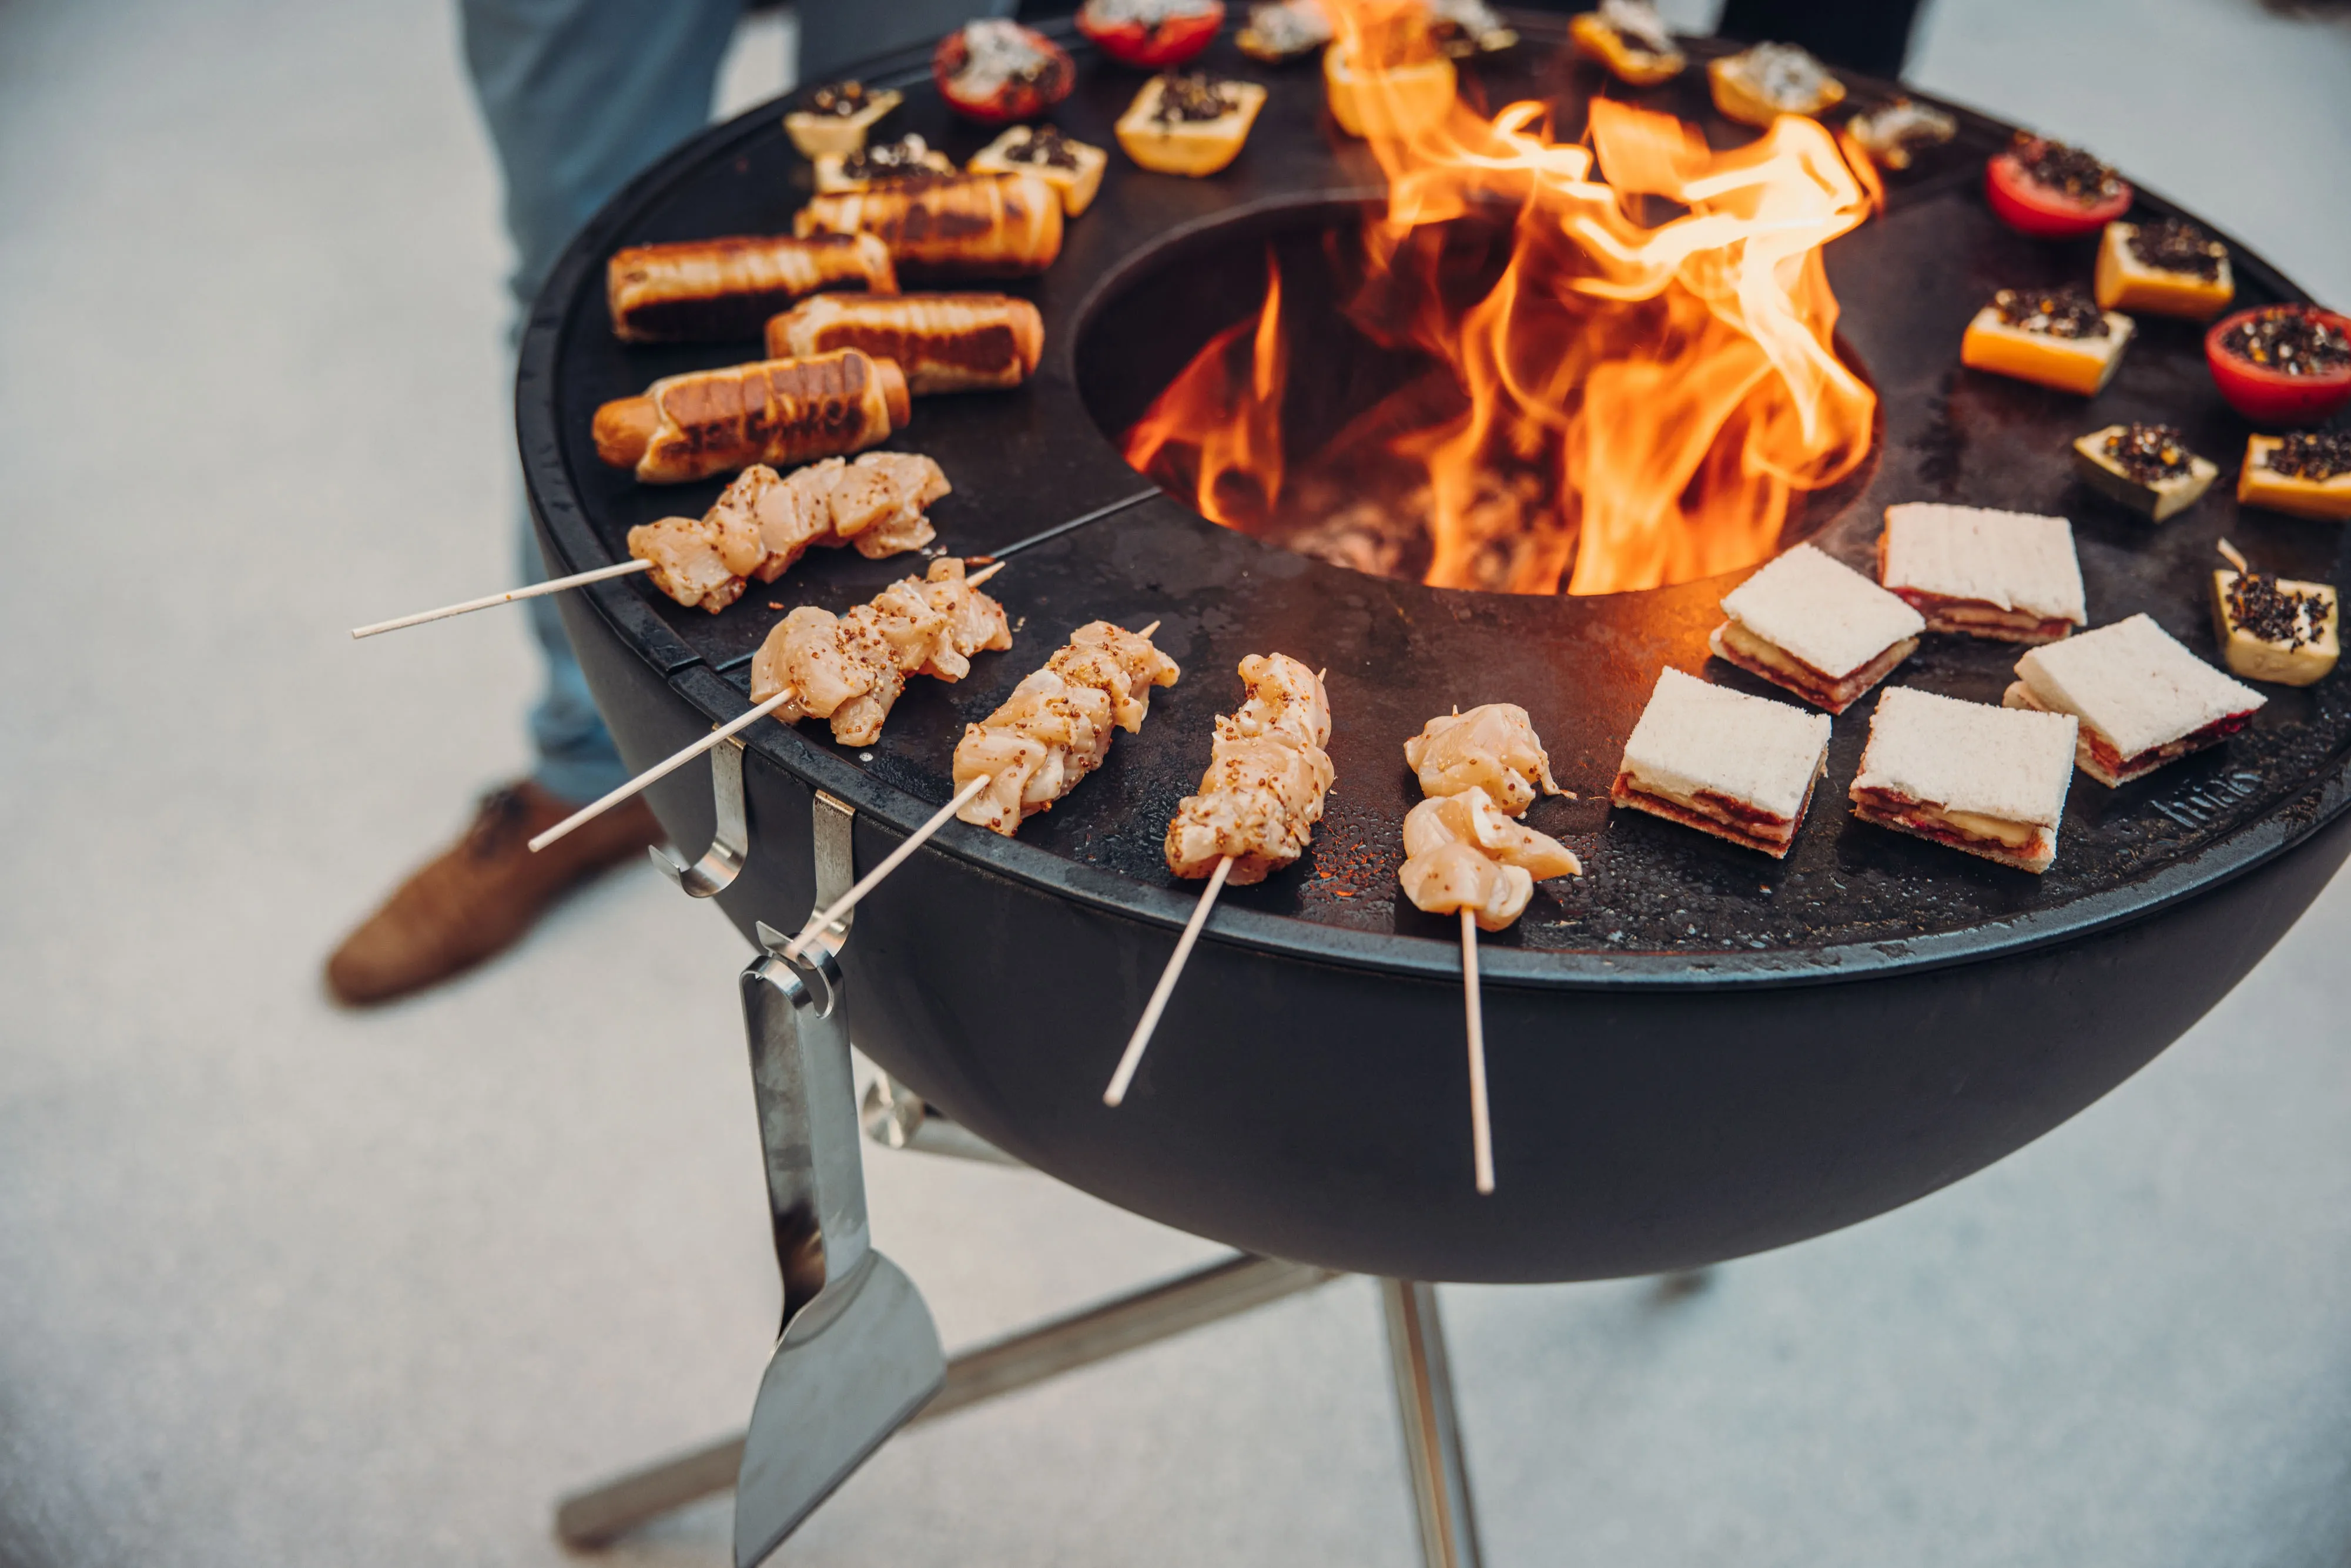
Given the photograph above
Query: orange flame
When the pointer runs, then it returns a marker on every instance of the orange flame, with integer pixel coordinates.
(1226, 432)
(1673, 379)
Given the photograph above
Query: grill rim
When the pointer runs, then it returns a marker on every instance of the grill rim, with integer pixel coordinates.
(575, 283)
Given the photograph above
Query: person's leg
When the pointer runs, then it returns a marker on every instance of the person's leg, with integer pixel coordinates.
(578, 96)
(576, 759)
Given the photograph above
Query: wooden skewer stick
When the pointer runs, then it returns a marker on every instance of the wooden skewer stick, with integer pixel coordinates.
(661, 770)
(897, 857)
(624, 569)
(1166, 987)
(1481, 1129)
(552, 585)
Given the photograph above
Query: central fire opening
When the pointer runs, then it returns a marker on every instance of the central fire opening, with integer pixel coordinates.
(1520, 378)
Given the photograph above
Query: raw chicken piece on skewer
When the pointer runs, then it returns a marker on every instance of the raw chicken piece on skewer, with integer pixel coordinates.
(1255, 813)
(762, 523)
(758, 527)
(848, 668)
(1463, 854)
(1492, 746)
(851, 668)
(1054, 730)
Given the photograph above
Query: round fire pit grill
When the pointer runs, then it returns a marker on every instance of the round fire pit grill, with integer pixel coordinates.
(1696, 1052)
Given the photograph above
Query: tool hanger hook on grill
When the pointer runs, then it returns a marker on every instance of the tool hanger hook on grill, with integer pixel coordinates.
(730, 834)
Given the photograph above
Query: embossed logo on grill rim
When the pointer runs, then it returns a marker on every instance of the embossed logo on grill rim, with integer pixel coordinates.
(2205, 804)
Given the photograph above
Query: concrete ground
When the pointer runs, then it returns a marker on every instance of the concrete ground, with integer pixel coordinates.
(284, 1285)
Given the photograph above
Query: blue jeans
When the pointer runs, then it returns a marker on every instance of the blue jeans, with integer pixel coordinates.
(580, 96)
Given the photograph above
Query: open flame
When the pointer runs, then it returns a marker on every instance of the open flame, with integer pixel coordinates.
(1633, 400)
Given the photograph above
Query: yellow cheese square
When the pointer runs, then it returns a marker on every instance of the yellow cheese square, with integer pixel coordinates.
(2258, 484)
(2082, 365)
(2125, 283)
(1077, 187)
(1193, 147)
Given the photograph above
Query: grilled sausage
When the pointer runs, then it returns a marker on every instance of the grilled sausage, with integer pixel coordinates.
(953, 225)
(708, 289)
(776, 412)
(943, 342)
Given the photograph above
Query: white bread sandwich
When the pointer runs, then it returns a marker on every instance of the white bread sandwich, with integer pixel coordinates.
(2010, 576)
(1817, 627)
(1740, 768)
(2143, 699)
(1988, 780)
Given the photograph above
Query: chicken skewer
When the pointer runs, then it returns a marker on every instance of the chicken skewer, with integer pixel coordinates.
(1056, 727)
(849, 668)
(1101, 663)
(759, 526)
(1254, 815)
(646, 562)
(512, 595)
(1464, 853)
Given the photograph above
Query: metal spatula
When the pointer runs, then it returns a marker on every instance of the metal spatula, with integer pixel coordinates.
(858, 1354)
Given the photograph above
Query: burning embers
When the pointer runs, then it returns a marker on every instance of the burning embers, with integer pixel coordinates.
(1626, 368)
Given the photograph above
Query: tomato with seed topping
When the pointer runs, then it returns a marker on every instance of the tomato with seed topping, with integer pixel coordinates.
(1151, 46)
(2281, 364)
(2082, 196)
(1045, 80)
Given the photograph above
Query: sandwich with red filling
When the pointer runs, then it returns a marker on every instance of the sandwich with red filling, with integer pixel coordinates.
(2143, 699)
(1817, 627)
(1740, 768)
(2009, 576)
(1988, 780)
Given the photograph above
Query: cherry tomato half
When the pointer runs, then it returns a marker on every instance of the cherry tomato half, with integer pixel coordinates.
(2267, 396)
(1014, 100)
(2025, 203)
(1153, 49)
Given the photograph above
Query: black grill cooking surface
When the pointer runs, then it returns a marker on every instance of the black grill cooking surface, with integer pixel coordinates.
(1658, 903)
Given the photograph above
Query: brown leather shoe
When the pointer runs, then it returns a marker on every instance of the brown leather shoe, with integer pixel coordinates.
(479, 895)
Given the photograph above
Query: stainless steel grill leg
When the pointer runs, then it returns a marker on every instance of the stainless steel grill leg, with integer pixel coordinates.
(1432, 1431)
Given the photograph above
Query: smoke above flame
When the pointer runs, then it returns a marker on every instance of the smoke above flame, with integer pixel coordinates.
(1655, 361)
